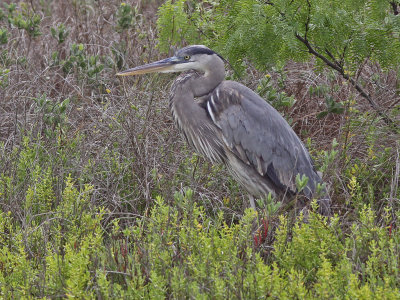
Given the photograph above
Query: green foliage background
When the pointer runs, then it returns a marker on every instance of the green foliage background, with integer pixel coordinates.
(100, 198)
(264, 32)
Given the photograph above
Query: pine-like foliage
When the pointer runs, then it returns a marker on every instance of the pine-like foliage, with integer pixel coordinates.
(344, 31)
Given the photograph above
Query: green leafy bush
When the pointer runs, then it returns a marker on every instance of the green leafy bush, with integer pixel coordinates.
(25, 19)
(265, 32)
(3, 36)
(53, 114)
(126, 17)
(179, 252)
(84, 66)
(60, 33)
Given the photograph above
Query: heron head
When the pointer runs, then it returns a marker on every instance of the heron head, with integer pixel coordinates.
(195, 57)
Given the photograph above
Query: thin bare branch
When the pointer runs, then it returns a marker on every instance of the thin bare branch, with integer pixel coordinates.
(334, 65)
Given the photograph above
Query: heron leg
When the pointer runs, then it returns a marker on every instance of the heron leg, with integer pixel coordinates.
(252, 203)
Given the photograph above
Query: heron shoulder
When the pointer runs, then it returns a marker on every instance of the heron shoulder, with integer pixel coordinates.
(235, 92)
(231, 93)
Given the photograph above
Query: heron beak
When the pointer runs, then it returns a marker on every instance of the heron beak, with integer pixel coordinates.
(161, 66)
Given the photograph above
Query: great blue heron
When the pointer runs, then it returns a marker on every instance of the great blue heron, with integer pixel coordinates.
(231, 124)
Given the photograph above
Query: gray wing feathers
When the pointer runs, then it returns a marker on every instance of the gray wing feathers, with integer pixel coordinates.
(259, 136)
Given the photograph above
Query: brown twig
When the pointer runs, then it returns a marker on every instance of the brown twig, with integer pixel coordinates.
(339, 68)
(395, 7)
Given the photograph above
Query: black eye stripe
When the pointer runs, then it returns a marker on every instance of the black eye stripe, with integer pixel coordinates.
(195, 49)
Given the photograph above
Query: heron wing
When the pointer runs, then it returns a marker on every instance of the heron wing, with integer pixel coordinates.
(260, 136)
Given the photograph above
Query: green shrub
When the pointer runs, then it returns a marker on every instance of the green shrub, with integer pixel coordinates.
(84, 66)
(126, 17)
(60, 33)
(179, 252)
(25, 18)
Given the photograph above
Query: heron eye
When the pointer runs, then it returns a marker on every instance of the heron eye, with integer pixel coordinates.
(187, 57)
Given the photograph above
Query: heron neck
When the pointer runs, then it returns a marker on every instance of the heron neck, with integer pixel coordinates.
(193, 84)
(183, 91)
(206, 83)
(185, 110)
